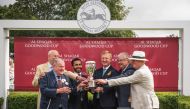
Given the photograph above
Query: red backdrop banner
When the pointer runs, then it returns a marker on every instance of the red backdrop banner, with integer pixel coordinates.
(162, 54)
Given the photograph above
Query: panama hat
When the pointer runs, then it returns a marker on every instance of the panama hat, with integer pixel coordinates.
(138, 55)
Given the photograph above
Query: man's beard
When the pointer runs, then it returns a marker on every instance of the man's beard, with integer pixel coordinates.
(78, 70)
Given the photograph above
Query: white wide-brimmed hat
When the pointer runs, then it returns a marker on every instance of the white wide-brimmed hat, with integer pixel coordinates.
(138, 55)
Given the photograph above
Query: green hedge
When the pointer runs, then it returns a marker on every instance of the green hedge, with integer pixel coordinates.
(184, 102)
(168, 100)
(1, 101)
(28, 100)
(171, 100)
(22, 100)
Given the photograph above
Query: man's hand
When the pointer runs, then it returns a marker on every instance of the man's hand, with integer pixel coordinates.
(82, 85)
(101, 81)
(64, 90)
(80, 78)
(99, 89)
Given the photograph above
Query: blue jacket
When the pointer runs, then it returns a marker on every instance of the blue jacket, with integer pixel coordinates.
(49, 97)
(107, 98)
(123, 91)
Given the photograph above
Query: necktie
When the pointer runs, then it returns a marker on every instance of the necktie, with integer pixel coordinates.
(104, 71)
(59, 82)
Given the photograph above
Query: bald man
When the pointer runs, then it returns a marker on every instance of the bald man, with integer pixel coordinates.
(45, 67)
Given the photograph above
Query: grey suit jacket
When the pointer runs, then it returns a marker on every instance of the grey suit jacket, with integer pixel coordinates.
(142, 88)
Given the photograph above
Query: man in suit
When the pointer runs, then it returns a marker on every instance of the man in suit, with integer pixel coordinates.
(54, 87)
(123, 91)
(104, 98)
(42, 69)
(142, 83)
(78, 97)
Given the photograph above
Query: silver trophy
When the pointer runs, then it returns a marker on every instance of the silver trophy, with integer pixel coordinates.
(90, 68)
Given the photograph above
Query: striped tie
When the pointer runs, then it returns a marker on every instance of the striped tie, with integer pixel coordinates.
(59, 82)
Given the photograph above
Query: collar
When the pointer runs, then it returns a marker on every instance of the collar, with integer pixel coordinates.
(79, 74)
(106, 67)
(142, 66)
(49, 66)
(55, 74)
(125, 68)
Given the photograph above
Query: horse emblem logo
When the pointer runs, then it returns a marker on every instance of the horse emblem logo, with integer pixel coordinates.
(93, 16)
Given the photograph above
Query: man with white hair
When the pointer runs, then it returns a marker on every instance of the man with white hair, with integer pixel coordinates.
(123, 91)
(55, 87)
(42, 69)
(142, 83)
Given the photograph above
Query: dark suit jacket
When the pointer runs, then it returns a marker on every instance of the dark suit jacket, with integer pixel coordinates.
(107, 98)
(48, 87)
(123, 91)
(77, 99)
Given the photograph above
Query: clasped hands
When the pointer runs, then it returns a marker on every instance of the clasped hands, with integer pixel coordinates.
(101, 81)
(63, 90)
(84, 84)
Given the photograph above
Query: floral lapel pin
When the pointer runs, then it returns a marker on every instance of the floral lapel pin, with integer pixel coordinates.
(109, 73)
(64, 82)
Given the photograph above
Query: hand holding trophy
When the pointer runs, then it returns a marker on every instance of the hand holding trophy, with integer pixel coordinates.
(90, 68)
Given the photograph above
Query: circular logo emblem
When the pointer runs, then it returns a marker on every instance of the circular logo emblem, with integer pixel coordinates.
(93, 16)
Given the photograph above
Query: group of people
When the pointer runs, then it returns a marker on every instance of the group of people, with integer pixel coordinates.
(132, 87)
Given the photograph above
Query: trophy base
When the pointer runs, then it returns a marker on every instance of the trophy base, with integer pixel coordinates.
(91, 84)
